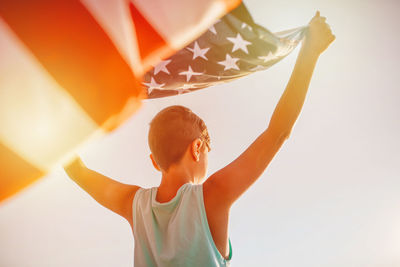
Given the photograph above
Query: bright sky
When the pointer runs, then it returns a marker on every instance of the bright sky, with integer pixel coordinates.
(330, 197)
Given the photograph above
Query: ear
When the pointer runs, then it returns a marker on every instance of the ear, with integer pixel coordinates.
(196, 145)
(154, 163)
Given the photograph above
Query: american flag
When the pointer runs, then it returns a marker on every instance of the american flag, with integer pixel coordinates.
(233, 47)
(70, 70)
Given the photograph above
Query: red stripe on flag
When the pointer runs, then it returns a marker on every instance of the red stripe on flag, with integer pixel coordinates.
(78, 54)
(148, 38)
(15, 173)
(152, 47)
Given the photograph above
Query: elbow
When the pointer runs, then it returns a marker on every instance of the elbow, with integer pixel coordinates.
(286, 134)
(281, 135)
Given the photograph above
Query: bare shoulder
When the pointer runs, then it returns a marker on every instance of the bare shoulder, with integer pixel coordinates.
(212, 196)
(129, 203)
(133, 190)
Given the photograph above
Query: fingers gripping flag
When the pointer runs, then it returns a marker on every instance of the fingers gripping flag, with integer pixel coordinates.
(70, 70)
(233, 47)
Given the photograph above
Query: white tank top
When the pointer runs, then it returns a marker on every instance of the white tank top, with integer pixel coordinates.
(174, 233)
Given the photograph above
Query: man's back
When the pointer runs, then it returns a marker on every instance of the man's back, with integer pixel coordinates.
(176, 232)
(218, 220)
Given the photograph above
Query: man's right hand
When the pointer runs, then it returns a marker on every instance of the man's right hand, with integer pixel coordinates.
(319, 35)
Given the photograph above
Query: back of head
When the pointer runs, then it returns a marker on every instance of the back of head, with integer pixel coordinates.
(171, 131)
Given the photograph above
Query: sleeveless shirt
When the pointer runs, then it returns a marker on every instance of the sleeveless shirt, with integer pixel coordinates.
(174, 233)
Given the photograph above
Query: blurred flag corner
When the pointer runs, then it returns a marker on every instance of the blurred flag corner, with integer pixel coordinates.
(72, 68)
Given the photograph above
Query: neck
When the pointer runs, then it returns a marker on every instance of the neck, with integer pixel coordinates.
(176, 177)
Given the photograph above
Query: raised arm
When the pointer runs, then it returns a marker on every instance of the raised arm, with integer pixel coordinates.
(225, 186)
(111, 194)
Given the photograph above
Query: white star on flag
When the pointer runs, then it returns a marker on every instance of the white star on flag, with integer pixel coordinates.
(244, 25)
(229, 63)
(162, 66)
(239, 43)
(153, 85)
(189, 73)
(212, 29)
(198, 52)
(267, 57)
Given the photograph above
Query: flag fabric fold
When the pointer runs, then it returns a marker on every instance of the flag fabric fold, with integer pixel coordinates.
(233, 47)
(70, 71)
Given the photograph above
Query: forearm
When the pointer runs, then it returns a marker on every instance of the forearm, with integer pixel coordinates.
(292, 100)
(89, 181)
(75, 170)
